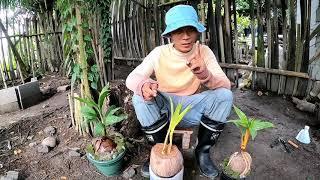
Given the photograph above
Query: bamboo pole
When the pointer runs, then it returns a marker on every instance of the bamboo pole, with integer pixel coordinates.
(71, 107)
(292, 35)
(77, 114)
(284, 47)
(17, 62)
(203, 34)
(31, 35)
(266, 70)
(10, 56)
(3, 77)
(30, 49)
(13, 48)
(4, 64)
(219, 24)
(38, 44)
(227, 34)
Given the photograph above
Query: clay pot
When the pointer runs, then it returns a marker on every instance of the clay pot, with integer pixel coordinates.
(165, 165)
(240, 162)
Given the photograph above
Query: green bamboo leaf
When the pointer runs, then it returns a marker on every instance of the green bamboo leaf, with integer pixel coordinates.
(112, 119)
(99, 129)
(88, 113)
(108, 110)
(253, 132)
(259, 124)
(88, 102)
(240, 114)
(240, 123)
(104, 93)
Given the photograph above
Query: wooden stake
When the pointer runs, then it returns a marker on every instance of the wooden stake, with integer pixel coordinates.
(71, 106)
(293, 144)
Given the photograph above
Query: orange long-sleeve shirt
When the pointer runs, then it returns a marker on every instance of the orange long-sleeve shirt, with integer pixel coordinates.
(172, 73)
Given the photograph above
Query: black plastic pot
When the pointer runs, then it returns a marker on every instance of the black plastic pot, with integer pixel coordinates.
(224, 176)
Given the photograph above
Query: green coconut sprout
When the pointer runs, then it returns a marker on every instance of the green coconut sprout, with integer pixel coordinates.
(176, 117)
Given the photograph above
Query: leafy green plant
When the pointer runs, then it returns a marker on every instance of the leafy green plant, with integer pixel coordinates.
(102, 119)
(176, 117)
(248, 127)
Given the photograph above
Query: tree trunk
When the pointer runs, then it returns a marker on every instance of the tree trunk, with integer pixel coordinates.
(220, 32)
(260, 53)
(228, 46)
(292, 35)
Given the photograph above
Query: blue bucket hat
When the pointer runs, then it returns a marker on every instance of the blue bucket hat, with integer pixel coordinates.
(180, 16)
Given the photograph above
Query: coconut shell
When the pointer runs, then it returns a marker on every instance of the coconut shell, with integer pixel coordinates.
(240, 162)
(165, 165)
(102, 145)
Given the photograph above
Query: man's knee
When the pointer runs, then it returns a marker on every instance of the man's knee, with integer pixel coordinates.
(136, 99)
(221, 94)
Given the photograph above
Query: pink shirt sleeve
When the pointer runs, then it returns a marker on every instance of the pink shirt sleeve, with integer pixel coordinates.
(216, 78)
(141, 74)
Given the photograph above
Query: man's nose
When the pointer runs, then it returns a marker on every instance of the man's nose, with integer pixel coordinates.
(185, 35)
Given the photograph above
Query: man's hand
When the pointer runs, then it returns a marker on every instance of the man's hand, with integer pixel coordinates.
(149, 91)
(197, 64)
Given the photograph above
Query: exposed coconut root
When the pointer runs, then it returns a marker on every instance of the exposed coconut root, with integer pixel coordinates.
(240, 163)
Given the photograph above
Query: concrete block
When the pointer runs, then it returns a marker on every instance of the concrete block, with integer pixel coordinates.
(29, 94)
(13, 174)
(8, 100)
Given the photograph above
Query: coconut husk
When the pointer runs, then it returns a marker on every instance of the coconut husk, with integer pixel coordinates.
(240, 162)
(165, 165)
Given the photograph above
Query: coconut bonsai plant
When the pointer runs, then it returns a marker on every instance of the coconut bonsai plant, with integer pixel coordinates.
(238, 165)
(166, 160)
(107, 149)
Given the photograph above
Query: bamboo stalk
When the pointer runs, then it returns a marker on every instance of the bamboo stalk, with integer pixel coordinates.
(4, 64)
(76, 114)
(71, 107)
(17, 62)
(13, 48)
(227, 34)
(31, 35)
(82, 58)
(38, 44)
(221, 41)
(3, 75)
(266, 70)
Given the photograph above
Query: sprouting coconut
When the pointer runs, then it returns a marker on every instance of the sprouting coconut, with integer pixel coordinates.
(239, 163)
(165, 159)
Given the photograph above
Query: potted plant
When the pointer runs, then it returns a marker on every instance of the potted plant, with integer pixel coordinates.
(107, 149)
(166, 161)
(238, 165)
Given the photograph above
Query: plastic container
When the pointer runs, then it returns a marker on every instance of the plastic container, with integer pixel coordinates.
(303, 136)
(178, 176)
(109, 168)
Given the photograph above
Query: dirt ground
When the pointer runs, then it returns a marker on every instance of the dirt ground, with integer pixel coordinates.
(24, 127)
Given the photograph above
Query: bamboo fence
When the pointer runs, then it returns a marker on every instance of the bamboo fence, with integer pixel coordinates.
(137, 26)
(34, 46)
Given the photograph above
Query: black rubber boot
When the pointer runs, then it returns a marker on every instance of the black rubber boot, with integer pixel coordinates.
(209, 132)
(155, 133)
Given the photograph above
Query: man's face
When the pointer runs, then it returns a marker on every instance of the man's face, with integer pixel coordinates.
(184, 38)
